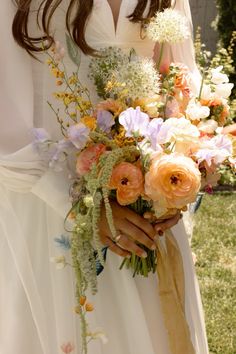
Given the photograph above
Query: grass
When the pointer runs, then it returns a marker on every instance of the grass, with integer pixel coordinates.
(214, 243)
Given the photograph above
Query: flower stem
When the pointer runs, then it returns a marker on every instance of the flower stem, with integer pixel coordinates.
(160, 56)
(200, 92)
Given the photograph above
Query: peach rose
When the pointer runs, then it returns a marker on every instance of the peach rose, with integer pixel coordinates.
(128, 181)
(183, 79)
(173, 181)
(87, 157)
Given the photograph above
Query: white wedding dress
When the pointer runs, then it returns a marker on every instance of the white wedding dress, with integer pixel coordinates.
(36, 299)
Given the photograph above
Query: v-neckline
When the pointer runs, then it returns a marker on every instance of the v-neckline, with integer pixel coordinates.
(115, 23)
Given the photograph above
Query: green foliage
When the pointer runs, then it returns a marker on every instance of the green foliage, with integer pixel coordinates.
(228, 176)
(226, 24)
(214, 243)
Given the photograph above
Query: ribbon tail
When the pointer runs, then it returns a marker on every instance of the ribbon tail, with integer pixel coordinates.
(172, 296)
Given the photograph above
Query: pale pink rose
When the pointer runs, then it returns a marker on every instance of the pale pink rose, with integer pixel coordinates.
(173, 180)
(67, 348)
(87, 157)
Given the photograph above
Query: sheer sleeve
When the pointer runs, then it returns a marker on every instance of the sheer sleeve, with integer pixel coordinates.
(21, 168)
(183, 52)
(16, 87)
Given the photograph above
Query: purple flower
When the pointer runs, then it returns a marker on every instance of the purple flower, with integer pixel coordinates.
(78, 134)
(105, 120)
(153, 131)
(59, 151)
(134, 121)
(40, 135)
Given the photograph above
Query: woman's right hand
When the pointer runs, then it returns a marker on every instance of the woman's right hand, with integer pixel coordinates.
(132, 229)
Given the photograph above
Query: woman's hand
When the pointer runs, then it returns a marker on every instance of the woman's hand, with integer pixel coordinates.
(131, 228)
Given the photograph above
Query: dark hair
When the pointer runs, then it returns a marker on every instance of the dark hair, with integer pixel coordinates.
(75, 25)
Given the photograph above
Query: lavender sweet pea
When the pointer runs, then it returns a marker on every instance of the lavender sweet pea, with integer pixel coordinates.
(134, 121)
(105, 120)
(78, 134)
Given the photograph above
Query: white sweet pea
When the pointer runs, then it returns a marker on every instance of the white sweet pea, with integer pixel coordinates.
(195, 111)
(224, 90)
(215, 150)
(208, 126)
(206, 93)
(218, 77)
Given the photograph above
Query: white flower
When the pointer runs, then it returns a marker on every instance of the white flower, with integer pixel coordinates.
(206, 93)
(215, 150)
(168, 26)
(134, 121)
(60, 261)
(208, 126)
(180, 129)
(195, 111)
(139, 78)
(218, 77)
(224, 90)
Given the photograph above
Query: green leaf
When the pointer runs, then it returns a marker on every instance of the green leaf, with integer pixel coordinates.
(73, 50)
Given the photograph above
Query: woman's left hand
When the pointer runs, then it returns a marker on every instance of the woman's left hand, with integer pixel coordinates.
(164, 225)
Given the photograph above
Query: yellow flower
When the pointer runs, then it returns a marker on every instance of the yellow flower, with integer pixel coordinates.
(57, 73)
(89, 121)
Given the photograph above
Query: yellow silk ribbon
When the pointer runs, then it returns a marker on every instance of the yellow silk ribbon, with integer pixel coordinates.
(172, 295)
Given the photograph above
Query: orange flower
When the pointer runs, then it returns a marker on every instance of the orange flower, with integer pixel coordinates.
(89, 156)
(220, 110)
(89, 307)
(128, 181)
(183, 79)
(82, 300)
(112, 106)
(173, 181)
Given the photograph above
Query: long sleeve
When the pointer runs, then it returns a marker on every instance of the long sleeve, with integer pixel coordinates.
(21, 168)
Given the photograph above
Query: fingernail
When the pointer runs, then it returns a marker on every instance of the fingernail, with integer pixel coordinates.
(144, 255)
(153, 247)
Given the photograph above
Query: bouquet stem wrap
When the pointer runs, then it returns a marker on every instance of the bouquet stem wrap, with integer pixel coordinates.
(172, 295)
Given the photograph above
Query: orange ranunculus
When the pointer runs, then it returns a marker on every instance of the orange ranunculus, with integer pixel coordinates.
(128, 181)
(89, 156)
(173, 181)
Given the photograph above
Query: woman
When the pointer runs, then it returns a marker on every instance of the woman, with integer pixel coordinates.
(38, 299)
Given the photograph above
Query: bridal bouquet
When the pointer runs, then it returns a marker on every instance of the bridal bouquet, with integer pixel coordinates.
(150, 144)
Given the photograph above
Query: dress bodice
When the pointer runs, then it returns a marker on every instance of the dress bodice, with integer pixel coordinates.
(100, 33)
